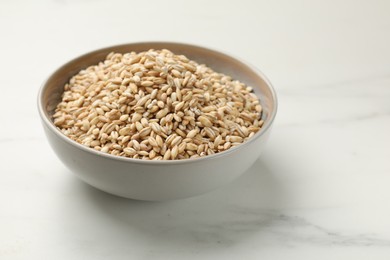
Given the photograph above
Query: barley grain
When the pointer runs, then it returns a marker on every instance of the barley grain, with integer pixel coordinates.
(130, 151)
(156, 105)
(191, 147)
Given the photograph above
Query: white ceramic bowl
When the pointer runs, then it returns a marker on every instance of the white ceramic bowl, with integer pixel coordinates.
(157, 180)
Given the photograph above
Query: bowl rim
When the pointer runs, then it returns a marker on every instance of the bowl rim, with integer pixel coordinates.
(49, 124)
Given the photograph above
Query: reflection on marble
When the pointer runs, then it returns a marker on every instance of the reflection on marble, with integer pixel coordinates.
(231, 221)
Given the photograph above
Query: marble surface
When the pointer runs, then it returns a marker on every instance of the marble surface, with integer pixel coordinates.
(319, 191)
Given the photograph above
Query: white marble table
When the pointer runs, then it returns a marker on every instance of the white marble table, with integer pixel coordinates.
(321, 190)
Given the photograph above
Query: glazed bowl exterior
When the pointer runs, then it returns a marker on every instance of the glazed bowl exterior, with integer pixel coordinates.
(157, 180)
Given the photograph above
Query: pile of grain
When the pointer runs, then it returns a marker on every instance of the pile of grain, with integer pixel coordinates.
(156, 105)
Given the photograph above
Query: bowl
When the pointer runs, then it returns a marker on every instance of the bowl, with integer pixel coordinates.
(157, 180)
